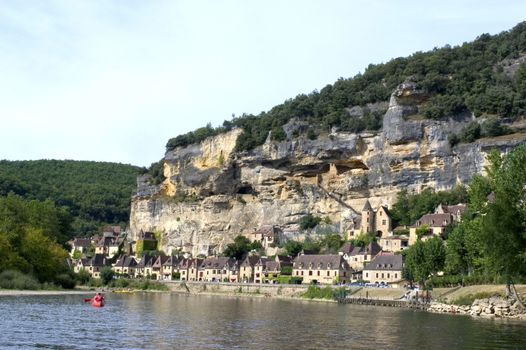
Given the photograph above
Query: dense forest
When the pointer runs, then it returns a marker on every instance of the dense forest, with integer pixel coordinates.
(95, 193)
(474, 76)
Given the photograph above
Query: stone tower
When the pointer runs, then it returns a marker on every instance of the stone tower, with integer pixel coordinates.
(367, 218)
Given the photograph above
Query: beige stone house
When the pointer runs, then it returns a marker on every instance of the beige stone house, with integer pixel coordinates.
(272, 268)
(384, 268)
(268, 236)
(378, 222)
(219, 269)
(95, 265)
(145, 266)
(125, 265)
(436, 223)
(394, 243)
(324, 269)
(81, 245)
(246, 269)
(157, 266)
(357, 257)
(169, 267)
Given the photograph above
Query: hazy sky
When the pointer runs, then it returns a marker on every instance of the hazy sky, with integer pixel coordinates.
(114, 80)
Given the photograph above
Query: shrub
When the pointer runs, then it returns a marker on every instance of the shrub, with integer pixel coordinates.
(106, 275)
(66, 280)
(83, 277)
(176, 276)
(309, 221)
(470, 298)
(12, 279)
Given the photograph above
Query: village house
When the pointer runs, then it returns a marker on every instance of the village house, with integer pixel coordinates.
(193, 271)
(324, 269)
(394, 243)
(268, 236)
(95, 265)
(80, 264)
(80, 245)
(378, 222)
(357, 257)
(157, 266)
(246, 268)
(125, 266)
(385, 269)
(436, 225)
(260, 270)
(145, 266)
(169, 267)
(273, 268)
(219, 269)
(457, 210)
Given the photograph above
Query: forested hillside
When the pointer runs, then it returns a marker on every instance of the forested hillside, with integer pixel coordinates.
(95, 192)
(486, 76)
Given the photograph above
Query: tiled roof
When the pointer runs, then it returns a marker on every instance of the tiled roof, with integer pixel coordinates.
(266, 231)
(98, 260)
(320, 262)
(367, 206)
(346, 248)
(126, 261)
(435, 220)
(387, 262)
(82, 242)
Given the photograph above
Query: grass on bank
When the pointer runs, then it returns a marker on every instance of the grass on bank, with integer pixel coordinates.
(329, 293)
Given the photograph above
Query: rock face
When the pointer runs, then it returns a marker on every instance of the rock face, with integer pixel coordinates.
(211, 193)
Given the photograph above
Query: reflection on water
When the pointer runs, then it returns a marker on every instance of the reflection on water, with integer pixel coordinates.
(171, 321)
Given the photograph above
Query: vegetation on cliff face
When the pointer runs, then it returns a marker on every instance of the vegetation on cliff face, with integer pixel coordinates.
(472, 76)
(96, 193)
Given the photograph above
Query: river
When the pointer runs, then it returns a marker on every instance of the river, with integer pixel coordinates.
(173, 321)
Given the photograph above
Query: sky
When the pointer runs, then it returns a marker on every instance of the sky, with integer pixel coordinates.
(114, 80)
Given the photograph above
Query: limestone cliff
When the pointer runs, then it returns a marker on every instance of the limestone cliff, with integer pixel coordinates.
(211, 193)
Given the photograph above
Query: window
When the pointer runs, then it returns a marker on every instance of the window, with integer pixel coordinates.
(367, 274)
(396, 275)
(328, 273)
(310, 273)
(388, 275)
(302, 273)
(318, 272)
(384, 222)
(377, 275)
(344, 274)
(382, 275)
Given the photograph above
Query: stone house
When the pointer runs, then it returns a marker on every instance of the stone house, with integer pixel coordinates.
(157, 266)
(384, 268)
(246, 268)
(268, 236)
(80, 244)
(125, 265)
(170, 266)
(357, 257)
(457, 210)
(145, 266)
(437, 224)
(272, 268)
(324, 269)
(219, 269)
(378, 222)
(394, 243)
(95, 265)
(260, 269)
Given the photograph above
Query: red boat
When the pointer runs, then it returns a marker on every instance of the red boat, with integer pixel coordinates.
(97, 300)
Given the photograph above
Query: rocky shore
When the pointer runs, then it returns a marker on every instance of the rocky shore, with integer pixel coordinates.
(489, 307)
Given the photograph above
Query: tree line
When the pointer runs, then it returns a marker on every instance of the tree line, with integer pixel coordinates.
(95, 193)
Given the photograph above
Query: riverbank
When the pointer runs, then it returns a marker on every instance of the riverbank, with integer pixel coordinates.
(9, 292)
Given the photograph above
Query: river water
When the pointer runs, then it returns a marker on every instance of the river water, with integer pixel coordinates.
(172, 321)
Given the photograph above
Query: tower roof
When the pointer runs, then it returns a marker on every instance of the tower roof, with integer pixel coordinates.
(367, 206)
